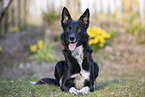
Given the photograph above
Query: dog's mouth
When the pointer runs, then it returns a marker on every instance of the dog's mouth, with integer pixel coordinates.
(72, 46)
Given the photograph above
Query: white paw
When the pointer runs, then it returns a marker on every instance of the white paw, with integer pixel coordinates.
(84, 90)
(73, 91)
(33, 82)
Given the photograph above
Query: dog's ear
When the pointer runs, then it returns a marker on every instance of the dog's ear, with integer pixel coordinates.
(84, 18)
(65, 18)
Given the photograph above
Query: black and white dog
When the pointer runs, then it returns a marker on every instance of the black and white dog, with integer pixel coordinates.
(77, 73)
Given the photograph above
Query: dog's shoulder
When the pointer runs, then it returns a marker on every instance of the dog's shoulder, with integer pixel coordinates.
(89, 49)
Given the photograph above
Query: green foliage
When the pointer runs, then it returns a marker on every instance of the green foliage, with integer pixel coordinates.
(134, 24)
(42, 51)
(132, 19)
(104, 88)
(113, 33)
(21, 28)
(140, 37)
(134, 28)
(51, 16)
(14, 29)
(26, 26)
(138, 31)
(46, 53)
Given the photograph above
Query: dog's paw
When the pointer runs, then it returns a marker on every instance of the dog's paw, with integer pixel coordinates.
(84, 90)
(73, 91)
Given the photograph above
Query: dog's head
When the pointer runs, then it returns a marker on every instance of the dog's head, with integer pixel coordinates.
(74, 32)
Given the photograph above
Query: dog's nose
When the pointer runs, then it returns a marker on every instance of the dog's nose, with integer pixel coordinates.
(72, 38)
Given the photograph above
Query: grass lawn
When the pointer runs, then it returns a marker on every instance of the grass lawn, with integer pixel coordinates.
(22, 88)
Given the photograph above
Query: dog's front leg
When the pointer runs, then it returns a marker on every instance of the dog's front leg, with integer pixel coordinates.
(66, 85)
(91, 66)
(92, 75)
(71, 90)
(63, 80)
(92, 79)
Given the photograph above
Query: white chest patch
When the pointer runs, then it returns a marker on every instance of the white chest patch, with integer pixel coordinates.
(80, 78)
(83, 75)
(78, 54)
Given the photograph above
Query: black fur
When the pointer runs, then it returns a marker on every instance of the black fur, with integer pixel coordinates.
(74, 32)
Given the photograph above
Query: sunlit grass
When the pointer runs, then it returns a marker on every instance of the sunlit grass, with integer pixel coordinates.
(103, 88)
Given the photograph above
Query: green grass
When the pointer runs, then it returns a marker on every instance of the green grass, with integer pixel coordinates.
(22, 88)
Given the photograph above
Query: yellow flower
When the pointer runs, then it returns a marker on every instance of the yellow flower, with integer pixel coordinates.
(108, 36)
(93, 41)
(33, 48)
(102, 40)
(94, 29)
(101, 44)
(89, 30)
(98, 31)
(40, 44)
(104, 33)
(0, 49)
(14, 29)
(97, 35)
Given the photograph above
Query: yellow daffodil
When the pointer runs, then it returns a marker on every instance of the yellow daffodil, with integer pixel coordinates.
(40, 44)
(93, 41)
(102, 40)
(14, 29)
(108, 36)
(0, 49)
(101, 45)
(33, 48)
(98, 36)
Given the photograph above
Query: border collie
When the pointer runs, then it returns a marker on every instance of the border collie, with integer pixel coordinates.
(78, 72)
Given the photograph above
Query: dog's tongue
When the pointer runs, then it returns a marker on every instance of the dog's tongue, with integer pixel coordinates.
(72, 46)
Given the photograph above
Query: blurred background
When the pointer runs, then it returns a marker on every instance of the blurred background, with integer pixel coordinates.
(21, 14)
(30, 31)
(30, 45)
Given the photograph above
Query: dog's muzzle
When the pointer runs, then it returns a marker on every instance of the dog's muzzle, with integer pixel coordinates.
(72, 42)
(72, 38)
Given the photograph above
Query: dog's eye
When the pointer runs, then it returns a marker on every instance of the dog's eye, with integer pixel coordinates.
(68, 29)
(78, 29)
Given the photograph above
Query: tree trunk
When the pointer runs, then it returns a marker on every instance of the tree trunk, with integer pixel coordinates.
(4, 11)
(47, 5)
(127, 5)
(27, 11)
(79, 6)
(15, 12)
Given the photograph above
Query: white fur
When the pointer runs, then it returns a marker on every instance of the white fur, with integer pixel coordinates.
(74, 91)
(84, 90)
(78, 54)
(33, 82)
(79, 77)
(60, 81)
